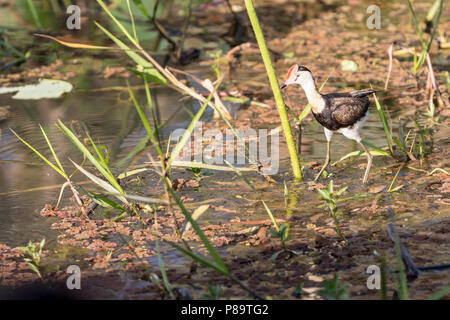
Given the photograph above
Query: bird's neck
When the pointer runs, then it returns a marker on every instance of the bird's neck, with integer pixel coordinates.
(314, 97)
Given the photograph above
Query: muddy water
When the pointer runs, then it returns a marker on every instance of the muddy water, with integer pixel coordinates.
(26, 184)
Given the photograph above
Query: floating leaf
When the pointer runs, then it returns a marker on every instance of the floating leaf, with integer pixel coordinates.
(45, 89)
(349, 65)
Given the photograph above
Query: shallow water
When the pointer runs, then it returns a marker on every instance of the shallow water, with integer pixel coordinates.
(26, 184)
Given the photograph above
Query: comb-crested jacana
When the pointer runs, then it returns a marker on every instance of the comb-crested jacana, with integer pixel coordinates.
(336, 112)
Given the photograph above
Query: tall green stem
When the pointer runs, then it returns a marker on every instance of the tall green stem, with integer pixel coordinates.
(276, 90)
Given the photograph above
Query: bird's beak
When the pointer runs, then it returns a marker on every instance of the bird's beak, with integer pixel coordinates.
(284, 85)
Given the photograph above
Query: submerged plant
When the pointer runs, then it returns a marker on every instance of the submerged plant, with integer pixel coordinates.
(298, 290)
(400, 277)
(213, 293)
(416, 148)
(34, 252)
(440, 294)
(424, 145)
(334, 289)
(391, 189)
(198, 175)
(331, 199)
(283, 234)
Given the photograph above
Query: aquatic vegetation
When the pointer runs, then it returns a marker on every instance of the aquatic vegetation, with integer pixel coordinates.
(424, 145)
(295, 163)
(45, 89)
(8, 49)
(334, 289)
(435, 11)
(57, 168)
(283, 235)
(181, 235)
(100, 161)
(34, 14)
(214, 293)
(34, 252)
(384, 121)
(298, 290)
(197, 173)
(331, 198)
(440, 294)
(417, 148)
(217, 263)
(391, 189)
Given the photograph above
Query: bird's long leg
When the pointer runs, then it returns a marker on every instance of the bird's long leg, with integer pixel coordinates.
(369, 161)
(327, 161)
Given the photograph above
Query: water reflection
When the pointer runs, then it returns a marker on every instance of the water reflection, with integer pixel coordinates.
(113, 122)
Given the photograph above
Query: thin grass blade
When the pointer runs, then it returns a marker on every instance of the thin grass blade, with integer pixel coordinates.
(152, 73)
(90, 157)
(384, 121)
(187, 134)
(199, 258)
(51, 149)
(220, 265)
(62, 173)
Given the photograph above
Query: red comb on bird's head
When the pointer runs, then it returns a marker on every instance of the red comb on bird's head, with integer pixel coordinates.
(293, 74)
(292, 71)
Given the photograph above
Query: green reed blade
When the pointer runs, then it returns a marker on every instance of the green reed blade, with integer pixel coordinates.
(61, 172)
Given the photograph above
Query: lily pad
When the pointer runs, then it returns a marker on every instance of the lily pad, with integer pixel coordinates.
(45, 89)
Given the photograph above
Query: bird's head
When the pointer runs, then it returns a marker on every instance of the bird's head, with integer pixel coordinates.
(297, 75)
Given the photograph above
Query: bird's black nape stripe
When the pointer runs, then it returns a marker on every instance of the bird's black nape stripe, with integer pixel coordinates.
(303, 68)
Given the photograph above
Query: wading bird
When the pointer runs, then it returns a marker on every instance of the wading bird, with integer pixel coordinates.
(336, 112)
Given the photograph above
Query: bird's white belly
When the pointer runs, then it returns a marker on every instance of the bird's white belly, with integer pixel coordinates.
(352, 132)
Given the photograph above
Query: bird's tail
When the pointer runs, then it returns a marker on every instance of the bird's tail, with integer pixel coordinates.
(362, 93)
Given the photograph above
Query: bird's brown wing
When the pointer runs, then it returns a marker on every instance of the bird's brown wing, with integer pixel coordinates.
(348, 110)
